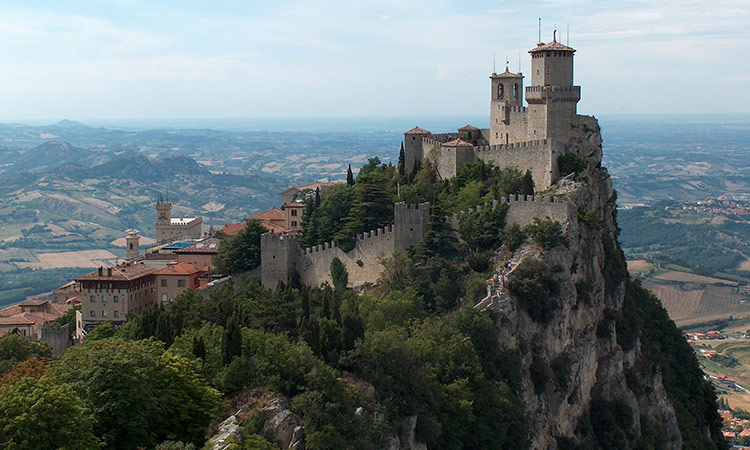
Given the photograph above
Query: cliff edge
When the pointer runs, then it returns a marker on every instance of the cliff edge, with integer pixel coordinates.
(602, 364)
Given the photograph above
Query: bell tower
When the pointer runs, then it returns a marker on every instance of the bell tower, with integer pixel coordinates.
(552, 97)
(132, 245)
(163, 212)
(507, 114)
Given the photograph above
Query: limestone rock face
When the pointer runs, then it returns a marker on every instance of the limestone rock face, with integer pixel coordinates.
(282, 426)
(591, 363)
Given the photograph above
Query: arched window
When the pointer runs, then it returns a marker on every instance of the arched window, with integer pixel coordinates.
(500, 91)
(515, 91)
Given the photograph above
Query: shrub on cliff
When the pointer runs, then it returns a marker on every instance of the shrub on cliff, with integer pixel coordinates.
(569, 163)
(547, 233)
(535, 289)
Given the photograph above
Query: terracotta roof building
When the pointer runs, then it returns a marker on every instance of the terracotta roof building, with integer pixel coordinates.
(108, 294)
(201, 252)
(176, 277)
(30, 316)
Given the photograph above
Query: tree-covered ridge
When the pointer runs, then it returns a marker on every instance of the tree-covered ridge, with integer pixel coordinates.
(356, 367)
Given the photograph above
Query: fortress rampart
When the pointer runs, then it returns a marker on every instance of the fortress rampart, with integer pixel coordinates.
(281, 253)
(522, 209)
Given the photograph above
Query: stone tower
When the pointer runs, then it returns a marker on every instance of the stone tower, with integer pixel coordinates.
(507, 114)
(163, 212)
(552, 97)
(132, 245)
(413, 147)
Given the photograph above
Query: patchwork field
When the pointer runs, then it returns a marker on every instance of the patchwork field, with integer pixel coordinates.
(84, 258)
(691, 306)
(685, 277)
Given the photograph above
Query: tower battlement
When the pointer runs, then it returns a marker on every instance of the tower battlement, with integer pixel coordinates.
(525, 137)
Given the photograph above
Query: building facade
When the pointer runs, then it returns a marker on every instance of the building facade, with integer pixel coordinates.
(109, 294)
(170, 228)
(172, 280)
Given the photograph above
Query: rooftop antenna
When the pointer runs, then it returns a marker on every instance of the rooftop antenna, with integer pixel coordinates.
(568, 36)
(554, 33)
(494, 70)
(540, 31)
(519, 63)
(507, 64)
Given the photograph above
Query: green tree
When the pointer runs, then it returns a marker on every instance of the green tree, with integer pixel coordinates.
(570, 162)
(547, 233)
(349, 176)
(39, 414)
(136, 395)
(15, 348)
(241, 252)
(231, 345)
(339, 275)
(401, 161)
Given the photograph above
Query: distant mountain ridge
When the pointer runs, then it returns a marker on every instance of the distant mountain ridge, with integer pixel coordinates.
(139, 167)
(53, 154)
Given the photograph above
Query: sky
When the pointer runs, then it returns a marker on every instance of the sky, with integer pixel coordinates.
(132, 59)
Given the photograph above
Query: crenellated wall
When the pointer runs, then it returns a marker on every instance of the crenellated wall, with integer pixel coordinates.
(522, 209)
(282, 252)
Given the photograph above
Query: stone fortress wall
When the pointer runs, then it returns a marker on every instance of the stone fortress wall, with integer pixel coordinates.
(281, 253)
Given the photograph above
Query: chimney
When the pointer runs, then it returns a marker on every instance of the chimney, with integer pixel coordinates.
(109, 271)
(101, 270)
(195, 266)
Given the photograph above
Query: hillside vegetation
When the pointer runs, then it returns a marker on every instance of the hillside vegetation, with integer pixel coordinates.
(359, 367)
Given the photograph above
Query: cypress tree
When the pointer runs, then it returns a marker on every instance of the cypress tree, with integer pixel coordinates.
(199, 348)
(231, 345)
(401, 161)
(349, 176)
(317, 194)
(527, 184)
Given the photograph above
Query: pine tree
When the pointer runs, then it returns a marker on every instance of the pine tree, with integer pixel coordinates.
(401, 161)
(349, 176)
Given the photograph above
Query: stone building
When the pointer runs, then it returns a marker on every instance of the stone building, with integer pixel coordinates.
(176, 277)
(202, 252)
(108, 294)
(526, 137)
(170, 228)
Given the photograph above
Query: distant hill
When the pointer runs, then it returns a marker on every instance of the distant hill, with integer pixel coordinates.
(54, 154)
(139, 167)
(65, 123)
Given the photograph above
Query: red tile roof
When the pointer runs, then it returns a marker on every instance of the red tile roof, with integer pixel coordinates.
(506, 74)
(275, 228)
(119, 273)
(458, 143)
(310, 186)
(16, 320)
(231, 229)
(468, 128)
(295, 205)
(272, 214)
(181, 268)
(34, 302)
(417, 130)
(552, 46)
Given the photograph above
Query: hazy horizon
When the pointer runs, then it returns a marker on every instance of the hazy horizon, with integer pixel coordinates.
(155, 60)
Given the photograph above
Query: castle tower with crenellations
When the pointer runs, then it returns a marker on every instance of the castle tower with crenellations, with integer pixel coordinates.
(525, 137)
(170, 228)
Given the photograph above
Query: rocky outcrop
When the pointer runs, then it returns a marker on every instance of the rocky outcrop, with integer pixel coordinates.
(281, 426)
(574, 359)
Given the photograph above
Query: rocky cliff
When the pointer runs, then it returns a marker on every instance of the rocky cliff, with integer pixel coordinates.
(583, 364)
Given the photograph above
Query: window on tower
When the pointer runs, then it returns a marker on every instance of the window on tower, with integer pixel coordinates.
(515, 91)
(500, 91)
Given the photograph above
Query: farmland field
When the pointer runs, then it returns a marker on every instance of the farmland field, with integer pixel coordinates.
(84, 258)
(687, 307)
